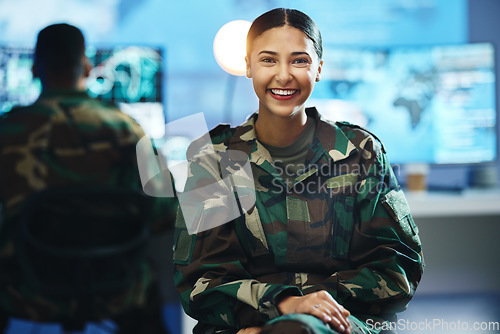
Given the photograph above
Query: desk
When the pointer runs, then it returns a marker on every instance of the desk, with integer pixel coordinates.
(459, 233)
(474, 202)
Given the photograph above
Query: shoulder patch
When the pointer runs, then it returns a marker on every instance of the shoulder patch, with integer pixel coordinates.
(355, 126)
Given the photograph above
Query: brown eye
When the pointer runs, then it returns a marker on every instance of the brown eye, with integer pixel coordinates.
(301, 61)
(267, 60)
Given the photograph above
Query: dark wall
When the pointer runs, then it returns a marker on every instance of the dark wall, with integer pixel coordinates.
(484, 24)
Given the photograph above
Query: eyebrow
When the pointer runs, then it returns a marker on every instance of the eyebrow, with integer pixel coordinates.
(274, 53)
(268, 52)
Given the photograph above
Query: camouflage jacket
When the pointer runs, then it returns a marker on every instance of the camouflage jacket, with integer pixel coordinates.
(64, 139)
(344, 227)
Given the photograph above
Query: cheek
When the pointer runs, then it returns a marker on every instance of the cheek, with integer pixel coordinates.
(312, 73)
(258, 86)
(307, 79)
(260, 79)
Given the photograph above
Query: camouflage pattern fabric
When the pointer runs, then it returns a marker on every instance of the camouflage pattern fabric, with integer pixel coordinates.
(344, 227)
(307, 324)
(65, 139)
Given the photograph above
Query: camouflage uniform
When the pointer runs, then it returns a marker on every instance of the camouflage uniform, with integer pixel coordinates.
(344, 227)
(64, 139)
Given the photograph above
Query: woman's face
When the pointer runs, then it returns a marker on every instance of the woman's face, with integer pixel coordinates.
(284, 67)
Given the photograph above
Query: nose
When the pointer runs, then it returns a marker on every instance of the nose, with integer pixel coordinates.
(283, 74)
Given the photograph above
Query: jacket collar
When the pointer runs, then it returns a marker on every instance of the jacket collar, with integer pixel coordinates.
(333, 142)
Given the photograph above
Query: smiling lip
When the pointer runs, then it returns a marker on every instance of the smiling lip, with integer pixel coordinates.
(283, 94)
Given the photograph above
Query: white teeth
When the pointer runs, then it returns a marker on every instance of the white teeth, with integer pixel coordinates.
(282, 92)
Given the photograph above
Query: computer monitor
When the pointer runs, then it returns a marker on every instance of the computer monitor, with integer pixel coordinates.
(17, 85)
(428, 104)
(129, 76)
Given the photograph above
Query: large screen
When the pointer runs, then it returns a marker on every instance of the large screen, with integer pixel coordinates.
(17, 86)
(428, 104)
(130, 77)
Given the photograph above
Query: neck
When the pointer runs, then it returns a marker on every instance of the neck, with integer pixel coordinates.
(280, 131)
(52, 80)
(59, 85)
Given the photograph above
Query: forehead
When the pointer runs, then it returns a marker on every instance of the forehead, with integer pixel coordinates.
(285, 39)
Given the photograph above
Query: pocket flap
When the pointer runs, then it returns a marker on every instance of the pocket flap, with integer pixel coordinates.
(395, 202)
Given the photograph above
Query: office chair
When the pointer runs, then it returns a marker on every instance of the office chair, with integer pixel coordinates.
(83, 243)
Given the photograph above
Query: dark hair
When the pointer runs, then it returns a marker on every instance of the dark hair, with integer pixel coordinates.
(280, 17)
(59, 47)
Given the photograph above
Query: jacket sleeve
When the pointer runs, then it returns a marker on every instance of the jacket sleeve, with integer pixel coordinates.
(385, 256)
(210, 275)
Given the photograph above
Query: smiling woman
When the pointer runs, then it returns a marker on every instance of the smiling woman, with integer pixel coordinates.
(329, 245)
(284, 67)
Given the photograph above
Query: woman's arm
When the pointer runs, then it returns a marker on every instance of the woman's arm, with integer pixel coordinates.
(385, 252)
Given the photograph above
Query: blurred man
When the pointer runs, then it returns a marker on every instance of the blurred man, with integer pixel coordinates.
(67, 138)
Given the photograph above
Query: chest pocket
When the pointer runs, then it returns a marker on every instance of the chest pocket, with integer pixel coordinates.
(319, 229)
(256, 242)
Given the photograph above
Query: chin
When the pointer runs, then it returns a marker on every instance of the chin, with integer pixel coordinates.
(288, 112)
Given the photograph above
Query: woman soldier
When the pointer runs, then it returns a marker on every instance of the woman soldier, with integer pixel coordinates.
(329, 245)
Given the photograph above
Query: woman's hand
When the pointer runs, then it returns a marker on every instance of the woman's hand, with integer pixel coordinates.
(249, 330)
(321, 305)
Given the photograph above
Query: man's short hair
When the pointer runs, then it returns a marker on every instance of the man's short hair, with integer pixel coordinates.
(59, 47)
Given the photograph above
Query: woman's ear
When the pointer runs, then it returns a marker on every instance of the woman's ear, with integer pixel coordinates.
(249, 72)
(318, 76)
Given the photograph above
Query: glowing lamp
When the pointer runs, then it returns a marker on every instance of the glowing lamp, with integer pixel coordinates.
(230, 46)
